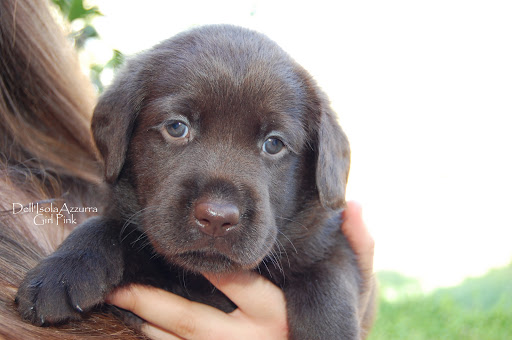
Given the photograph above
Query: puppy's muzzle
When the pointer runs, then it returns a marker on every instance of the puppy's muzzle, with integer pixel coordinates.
(216, 218)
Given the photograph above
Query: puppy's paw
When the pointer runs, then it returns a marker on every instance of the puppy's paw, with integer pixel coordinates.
(64, 286)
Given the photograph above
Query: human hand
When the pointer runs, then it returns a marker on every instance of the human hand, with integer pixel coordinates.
(261, 312)
(355, 230)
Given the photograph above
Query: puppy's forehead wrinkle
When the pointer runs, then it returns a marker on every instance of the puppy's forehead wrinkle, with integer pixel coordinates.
(229, 157)
(216, 49)
(170, 104)
(231, 74)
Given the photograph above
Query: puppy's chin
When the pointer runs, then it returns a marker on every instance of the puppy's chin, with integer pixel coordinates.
(202, 261)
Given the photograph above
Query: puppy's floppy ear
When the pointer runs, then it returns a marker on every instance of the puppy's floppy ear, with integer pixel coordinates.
(114, 117)
(333, 160)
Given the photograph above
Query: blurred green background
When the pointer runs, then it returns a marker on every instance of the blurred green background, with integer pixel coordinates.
(477, 309)
(429, 131)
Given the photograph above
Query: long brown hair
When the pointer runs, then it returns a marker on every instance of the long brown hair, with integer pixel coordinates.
(46, 154)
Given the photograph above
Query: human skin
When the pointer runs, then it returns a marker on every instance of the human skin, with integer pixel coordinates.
(261, 312)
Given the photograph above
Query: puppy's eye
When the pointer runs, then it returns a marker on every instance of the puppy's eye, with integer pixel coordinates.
(273, 146)
(177, 129)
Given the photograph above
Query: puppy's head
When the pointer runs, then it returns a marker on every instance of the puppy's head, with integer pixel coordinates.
(224, 140)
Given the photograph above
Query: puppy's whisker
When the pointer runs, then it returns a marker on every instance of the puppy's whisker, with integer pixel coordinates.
(183, 281)
(277, 257)
(282, 249)
(286, 237)
(154, 254)
(274, 258)
(293, 221)
(142, 245)
(140, 237)
(131, 220)
(134, 216)
(268, 270)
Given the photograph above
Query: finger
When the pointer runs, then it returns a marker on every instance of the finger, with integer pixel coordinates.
(168, 311)
(242, 287)
(357, 233)
(363, 244)
(156, 333)
(359, 238)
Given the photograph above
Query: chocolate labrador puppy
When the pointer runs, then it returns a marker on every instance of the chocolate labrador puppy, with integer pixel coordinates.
(221, 155)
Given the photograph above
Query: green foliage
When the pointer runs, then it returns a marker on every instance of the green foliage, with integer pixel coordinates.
(479, 308)
(96, 70)
(483, 293)
(74, 11)
(394, 286)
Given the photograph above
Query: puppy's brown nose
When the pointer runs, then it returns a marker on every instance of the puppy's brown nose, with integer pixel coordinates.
(216, 218)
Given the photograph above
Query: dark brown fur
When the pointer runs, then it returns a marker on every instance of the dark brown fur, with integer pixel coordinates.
(234, 88)
(54, 171)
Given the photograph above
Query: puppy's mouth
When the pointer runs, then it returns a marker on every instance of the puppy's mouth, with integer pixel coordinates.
(207, 261)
